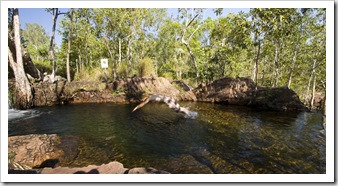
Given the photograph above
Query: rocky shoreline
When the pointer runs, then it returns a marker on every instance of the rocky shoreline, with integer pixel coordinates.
(233, 91)
(43, 154)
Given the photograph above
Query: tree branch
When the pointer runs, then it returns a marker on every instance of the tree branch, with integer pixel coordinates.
(187, 25)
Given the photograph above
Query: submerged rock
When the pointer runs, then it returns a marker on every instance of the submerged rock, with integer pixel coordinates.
(43, 153)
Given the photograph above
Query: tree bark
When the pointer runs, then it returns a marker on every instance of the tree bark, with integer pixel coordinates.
(120, 52)
(276, 61)
(186, 43)
(255, 69)
(52, 43)
(313, 92)
(69, 42)
(111, 58)
(29, 66)
(23, 92)
(294, 58)
(310, 79)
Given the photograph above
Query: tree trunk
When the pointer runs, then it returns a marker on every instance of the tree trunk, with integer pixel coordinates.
(29, 66)
(120, 53)
(255, 68)
(128, 55)
(310, 79)
(111, 58)
(23, 92)
(52, 44)
(69, 41)
(294, 58)
(276, 61)
(313, 92)
(186, 43)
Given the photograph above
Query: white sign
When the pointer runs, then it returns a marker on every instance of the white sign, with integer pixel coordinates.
(104, 63)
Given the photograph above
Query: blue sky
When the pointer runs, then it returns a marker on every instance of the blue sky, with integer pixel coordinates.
(41, 17)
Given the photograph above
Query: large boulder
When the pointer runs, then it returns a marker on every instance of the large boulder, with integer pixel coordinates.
(234, 91)
(243, 91)
(277, 99)
(137, 88)
(33, 150)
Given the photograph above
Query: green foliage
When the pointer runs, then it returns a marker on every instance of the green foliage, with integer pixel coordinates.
(122, 70)
(43, 66)
(148, 43)
(146, 68)
(37, 41)
(90, 74)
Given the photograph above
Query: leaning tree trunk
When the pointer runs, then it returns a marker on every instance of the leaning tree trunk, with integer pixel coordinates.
(29, 67)
(23, 95)
(186, 43)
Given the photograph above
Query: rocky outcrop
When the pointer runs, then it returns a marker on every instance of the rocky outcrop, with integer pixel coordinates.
(243, 91)
(228, 90)
(43, 154)
(233, 91)
(277, 99)
(33, 150)
(140, 87)
(120, 91)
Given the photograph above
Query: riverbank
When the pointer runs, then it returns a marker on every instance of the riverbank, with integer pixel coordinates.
(232, 91)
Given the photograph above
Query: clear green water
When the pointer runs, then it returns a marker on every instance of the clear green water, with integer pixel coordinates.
(222, 139)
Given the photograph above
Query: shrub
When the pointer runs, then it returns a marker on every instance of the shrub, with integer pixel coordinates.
(146, 68)
(90, 74)
(121, 70)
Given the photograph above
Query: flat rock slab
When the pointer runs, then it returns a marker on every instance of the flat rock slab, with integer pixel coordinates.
(110, 168)
(33, 150)
(142, 170)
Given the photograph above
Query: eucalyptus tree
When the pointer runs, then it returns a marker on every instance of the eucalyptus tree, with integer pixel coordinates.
(298, 33)
(171, 55)
(191, 18)
(87, 41)
(69, 42)
(231, 40)
(316, 51)
(23, 91)
(55, 14)
(258, 33)
(36, 40)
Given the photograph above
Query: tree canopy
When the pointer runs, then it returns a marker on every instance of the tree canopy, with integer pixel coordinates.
(274, 47)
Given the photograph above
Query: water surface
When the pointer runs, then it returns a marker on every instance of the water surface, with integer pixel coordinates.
(222, 139)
